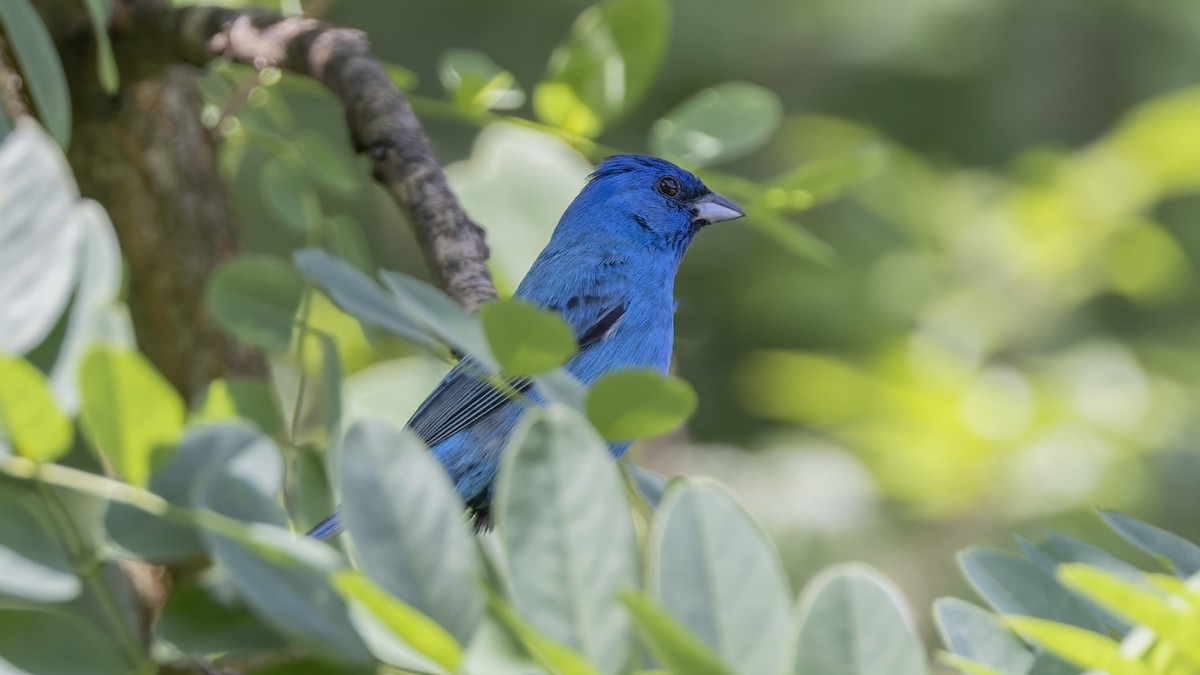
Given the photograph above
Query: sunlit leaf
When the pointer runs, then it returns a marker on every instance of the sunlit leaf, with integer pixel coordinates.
(474, 81)
(669, 642)
(1081, 647)
(604, 66)
(256, 298)
(39, 234)
(129, 410)
(631, 404)
(982, 637)
(33, 564)
(407, 524)
(1180, 554)
(29, 418)
(853, 623)
(38, 58)
(1140, 604)
(825, 178)
(721, 123)
(567, 534)
(526, 340)
(418, 632)
(715, 571)
(54, 643)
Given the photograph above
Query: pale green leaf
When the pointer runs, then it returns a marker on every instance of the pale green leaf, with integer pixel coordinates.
(1180, 554)
(721, 123)
(631, 404)
(417, 631)
(567, 534)
(475, 82)
(407, 524)
(33, 564)
(981, 637)
(715, 571)
(853, 622)
(106, 64)
(41, 642)
(670, 643)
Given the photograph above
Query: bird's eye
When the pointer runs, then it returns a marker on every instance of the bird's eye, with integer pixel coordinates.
(668, 186)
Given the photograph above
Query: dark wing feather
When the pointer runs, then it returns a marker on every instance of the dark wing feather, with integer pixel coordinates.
(465, 396)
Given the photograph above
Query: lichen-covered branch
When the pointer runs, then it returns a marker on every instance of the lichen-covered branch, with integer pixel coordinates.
(380, 119)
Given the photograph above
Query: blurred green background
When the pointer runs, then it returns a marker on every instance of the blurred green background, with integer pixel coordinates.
(963, 303)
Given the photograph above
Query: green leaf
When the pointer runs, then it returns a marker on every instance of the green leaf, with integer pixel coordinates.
(555, 657)
(1058, 549)
(632, 404)
(33, 564)
(852, 622)
(792, 237)
(106, 64)
(347, 240)
(328, 166)
(670, 643)
(967, 666)
(407, 524)
(826, 178)
(129, 410)
(39, 234)
(246, 398)
(1081, 647)
(38, 58)
(1013, 585)
(285, 580)
(360, 297)
(721, 123)
(29, 418)
(567, 533)
(716, 572)
(288, 195)
(53, 643)
(440, 316)
(1144, 605)
(980, 636)
(256, 299)
(650, 484)
(418, 632)
(605, 65)
(162, 541)
(526, 340)
(1181, 555)
(475, 82)
(198, 620)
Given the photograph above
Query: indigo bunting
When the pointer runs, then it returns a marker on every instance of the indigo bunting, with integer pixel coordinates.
(609, 271)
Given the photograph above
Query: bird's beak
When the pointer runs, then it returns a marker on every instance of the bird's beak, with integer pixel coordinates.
(713, 208)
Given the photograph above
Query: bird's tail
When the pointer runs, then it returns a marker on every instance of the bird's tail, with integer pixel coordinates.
(327, 529)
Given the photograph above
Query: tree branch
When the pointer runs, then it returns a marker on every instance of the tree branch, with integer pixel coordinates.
(381, 121)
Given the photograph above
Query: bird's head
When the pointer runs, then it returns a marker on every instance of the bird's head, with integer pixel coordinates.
(637, 197)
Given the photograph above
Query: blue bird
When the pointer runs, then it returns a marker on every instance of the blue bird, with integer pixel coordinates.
(609, 270)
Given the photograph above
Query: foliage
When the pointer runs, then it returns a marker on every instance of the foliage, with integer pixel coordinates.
(943, 352)
(1066, 607)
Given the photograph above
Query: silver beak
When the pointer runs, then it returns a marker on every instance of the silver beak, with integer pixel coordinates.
(713, 208)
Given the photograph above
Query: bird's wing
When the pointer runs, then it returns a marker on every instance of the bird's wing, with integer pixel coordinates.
(465, 396)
